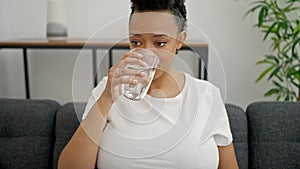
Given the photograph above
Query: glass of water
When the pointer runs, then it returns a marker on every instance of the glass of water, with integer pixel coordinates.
(137, 91)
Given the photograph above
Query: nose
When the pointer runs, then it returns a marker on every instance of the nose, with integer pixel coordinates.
(148, 45)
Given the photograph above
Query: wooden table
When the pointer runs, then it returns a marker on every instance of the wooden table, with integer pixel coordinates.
(200, 48)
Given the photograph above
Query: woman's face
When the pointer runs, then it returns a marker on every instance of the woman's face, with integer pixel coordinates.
(157, 31)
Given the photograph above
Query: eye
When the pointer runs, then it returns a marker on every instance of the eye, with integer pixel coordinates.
(136, 43)
(160, 43)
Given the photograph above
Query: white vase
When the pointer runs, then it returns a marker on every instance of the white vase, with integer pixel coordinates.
(56, 21)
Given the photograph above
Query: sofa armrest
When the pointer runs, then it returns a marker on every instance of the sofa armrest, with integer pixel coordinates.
(27, 133)
(274, 135)
(67, 121)
(239, 129)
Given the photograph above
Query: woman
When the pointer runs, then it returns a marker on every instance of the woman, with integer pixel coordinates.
(192, 128)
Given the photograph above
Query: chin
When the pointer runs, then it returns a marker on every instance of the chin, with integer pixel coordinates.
(157, 74)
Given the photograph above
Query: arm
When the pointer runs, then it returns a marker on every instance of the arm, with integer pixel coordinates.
(227, 158)
(82, 149)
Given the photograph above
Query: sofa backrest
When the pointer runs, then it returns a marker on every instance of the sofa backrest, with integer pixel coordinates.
(69, 116)
(274, 128)
(239, 129)
(34, 132)
(27, 133)
(67, 121)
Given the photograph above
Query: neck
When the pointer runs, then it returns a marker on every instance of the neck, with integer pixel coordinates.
(167, 84)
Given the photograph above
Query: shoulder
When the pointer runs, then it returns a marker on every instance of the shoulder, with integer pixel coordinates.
(100, 87)
(96, 93)
(202, 85)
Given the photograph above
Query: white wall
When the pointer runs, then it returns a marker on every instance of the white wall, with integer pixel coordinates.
(238, 44)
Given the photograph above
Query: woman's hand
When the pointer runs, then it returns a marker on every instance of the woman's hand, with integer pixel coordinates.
(119, 74)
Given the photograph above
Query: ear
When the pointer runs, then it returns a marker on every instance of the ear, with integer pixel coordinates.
(180, 39)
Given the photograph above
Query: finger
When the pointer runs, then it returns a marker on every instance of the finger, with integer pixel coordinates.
(117, 80)
(143, 80)
(135, 55)
(116, 92)
(112, 71)
(132, 61)
(118, 72)
(132, 55)
(125, 56)
(129, 72)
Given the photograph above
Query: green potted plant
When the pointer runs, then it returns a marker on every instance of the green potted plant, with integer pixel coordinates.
(280, 24)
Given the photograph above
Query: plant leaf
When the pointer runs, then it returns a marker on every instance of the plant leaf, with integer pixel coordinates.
(270, 30)
(283, 65)
(295, 43)
(272, 57)
(264, 73)
(287, 47)
(261, 16)
(251, 10)
(288, 7)
(293, 9)
(278, 97)
(295, 84)
(274, 72)
(279, 78)
(277, 84)
(271, 92)
(265, 61)
(287, 97)
(297, 29)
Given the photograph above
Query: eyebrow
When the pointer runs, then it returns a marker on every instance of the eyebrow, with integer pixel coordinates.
(158, 35)
(155, 35)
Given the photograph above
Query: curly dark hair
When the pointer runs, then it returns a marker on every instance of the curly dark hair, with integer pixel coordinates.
(176, 7)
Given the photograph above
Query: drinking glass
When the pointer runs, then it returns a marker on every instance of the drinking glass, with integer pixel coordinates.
(137, 91)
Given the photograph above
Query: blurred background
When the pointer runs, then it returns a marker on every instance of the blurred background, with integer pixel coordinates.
(238, 44)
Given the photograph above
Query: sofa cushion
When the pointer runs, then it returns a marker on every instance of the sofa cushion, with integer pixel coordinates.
(238, 125)
(26, 133)
(67, 121)
(274, 140)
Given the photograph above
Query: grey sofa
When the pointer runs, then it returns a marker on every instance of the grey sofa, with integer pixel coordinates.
(34, 132)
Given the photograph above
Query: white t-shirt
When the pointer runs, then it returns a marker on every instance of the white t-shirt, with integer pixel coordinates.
(165, 133)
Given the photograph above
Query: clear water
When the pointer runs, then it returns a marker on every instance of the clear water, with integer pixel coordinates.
(138, 91)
